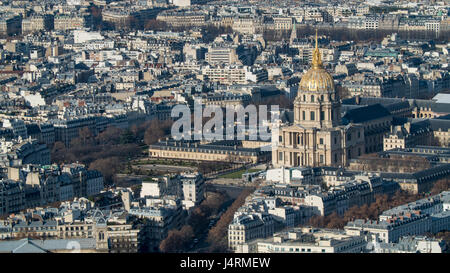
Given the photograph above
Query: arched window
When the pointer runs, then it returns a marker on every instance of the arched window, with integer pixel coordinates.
(312, 98)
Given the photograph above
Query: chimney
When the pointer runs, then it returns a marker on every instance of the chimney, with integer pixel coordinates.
(408, 127)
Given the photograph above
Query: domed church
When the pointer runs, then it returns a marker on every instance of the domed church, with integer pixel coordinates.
(317, 137)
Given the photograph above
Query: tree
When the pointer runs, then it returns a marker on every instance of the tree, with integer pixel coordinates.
(85, 135)
(440, 186)
(198, 220)
(156, 130)
(59, 152)
(111, 135)
(152, 135)
(154, 24)
(107, 166)
(172, 243)
(127, 137)
(187, 235)
(217, 236)
(210, 32)
(211, 205)
(177, 240)
(335, 221)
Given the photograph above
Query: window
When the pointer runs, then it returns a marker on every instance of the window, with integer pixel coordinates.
(322, 115)
(303, 115)
(335, 158)
(312, 98)
(313, 115)
(321, 158)
(280, 155)
(280, 138)
(321, 140)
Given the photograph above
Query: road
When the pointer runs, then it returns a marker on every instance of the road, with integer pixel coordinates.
(168, 168)
(231, 190)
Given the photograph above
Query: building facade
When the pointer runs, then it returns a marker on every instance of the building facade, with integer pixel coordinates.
(317, 138)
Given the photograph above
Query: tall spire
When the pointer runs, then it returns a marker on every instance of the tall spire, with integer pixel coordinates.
(293, 33)
(316, 61)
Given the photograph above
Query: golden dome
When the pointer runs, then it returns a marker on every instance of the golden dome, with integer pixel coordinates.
(317, 78)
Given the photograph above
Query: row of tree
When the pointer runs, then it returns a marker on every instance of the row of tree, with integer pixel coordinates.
(218, 235)
(357, 35)
(197, 223)
(440, 186)
(111, 149)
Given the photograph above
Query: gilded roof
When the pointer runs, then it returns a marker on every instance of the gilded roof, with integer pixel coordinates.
(317, 79)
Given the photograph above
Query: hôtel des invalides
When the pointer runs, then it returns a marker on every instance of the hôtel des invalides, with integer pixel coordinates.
(317, 137)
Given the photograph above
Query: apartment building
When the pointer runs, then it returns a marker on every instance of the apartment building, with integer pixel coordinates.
(12, 196)
(225, 74)
(246, 25)
(222, 55)
(160, 216)
(10, 24)
(35, 185)
(247, 227)
(18, 153)
(282, 23)
(307, 240)
(183, 19)
(69, 22)
(17, 126)
(193, 187)
(391, 230)
(407, 135)
(68, 129)
(340, 198)
(37, 23)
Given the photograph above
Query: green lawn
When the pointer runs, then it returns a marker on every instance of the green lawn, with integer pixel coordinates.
(238, 174)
